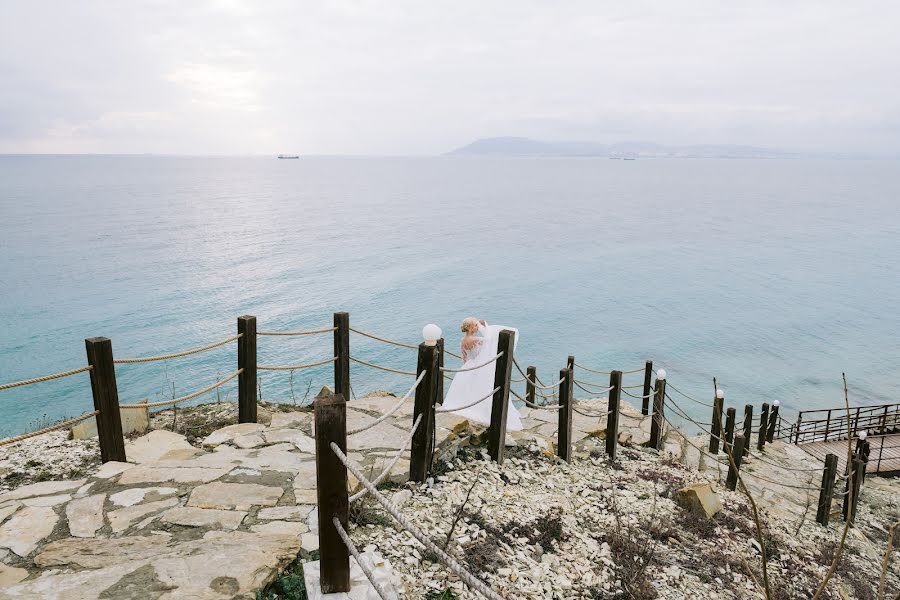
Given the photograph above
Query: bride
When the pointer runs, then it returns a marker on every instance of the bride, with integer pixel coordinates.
(468, 386)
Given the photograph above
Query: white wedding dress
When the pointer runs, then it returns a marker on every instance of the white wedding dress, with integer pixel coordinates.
(468, 386)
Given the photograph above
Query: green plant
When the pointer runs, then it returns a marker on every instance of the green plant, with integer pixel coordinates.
(447, 594)
(289, 585)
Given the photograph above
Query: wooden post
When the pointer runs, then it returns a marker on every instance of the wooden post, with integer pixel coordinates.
(106, 399)
(648, 375)
(422, 442)
(331, 491)
(729, 428)
(826, 493)
(864, 452)
(740, 443)
(342, 352)
(247, 389)
(773, 421)
(748, 427)
(612, 419)
(657, 421)
(854, 479)
(500, 404)
(439, 394)
(570, 364)
(530, 380)
(763, 424)
(564, 429)
(716, 431)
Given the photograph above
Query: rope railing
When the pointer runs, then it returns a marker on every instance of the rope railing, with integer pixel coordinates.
(595, 385)
(388, 369)
(672, 387)
(15, 384)
(591, 415)
(650, 395)
(463, 370)
(296, 367)
(443, 410)
(593, 370)
(536, 384)
(453, 354)
(533, 405)
(390, 413)
(25, 436)
(381, 339)
(121, 361)
(461, 572)
(387, 470)
(310, 332)
(382, 593)
(184, 398)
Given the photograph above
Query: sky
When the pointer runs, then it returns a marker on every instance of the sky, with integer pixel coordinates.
(406, 77)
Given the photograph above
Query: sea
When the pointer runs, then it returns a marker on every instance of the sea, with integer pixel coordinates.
(772, 276)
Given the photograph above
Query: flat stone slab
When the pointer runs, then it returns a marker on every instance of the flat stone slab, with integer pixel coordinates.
(44, 488)
(134, 496)
(204, 517)
(228, 433)
(360, 586)
(234, 496)
(155, 444)
(23, 531)
(85, 515)
(122, 519)
(149, 473)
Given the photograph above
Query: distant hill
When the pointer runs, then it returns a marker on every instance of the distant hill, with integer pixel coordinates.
(518, 146)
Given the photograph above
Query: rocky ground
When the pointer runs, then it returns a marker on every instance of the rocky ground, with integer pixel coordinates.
(217, 510)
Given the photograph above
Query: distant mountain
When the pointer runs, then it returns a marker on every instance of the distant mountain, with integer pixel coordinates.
(518, 146)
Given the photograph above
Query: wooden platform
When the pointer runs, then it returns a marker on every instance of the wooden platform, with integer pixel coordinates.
(890, 453)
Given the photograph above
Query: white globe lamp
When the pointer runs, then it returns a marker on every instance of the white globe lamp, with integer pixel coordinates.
(661, 374)
(431, 333)
(720, 393)
(863, 435)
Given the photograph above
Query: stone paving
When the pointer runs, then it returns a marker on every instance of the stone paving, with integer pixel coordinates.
(178, 521)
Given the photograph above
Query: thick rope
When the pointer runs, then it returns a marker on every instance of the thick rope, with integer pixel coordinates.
(120, 361)
(374, 366)
(447, 370)
(591, 415)
(443, 410)
(537, 385)
(381, 339)
(296, 367)
(592, 370)
(533, 405)
(25, 436)
(183, 398)
(7, 386)
(365, 568)
(600, 391)
(672, 387)
(311, 332)
(467, 578)
(389, 413)
(453, 354)
(650, 395)
(387, 470)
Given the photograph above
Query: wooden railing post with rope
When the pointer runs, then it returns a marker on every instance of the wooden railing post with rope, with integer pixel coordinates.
(530, 378)
(612, 419)
(763, 426)
(106, 399)
(500, 404)
(773, 420)
(439, 393)
(331, 492)
(734, 465)
(854, 478)
(730, 417)
(564, 430)
(826, 492)
(246, 328)
(427, 367)
(342, 352)
(648, 387)
(718, 404)
(657, 421)
(748, 427)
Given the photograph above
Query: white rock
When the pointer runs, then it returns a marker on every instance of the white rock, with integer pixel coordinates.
(111, 469)
(204, 517)
(85, 515)
(44, 488)
(122, 519)
(47, 500)
(238, 496)
(23, 531)
(155, 444)
(226, 434)
(133, 496)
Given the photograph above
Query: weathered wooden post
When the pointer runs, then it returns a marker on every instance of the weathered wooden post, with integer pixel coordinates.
(500, 403)
(439, 399)
(737, 457)
(863, 450)
(570, 364)
(826, 492)
(246, 326)
(763, 425)
(748, 427)
(657, 421)
(612, 419)
(564, 429)
(331, 492)
(730, 418)
(648, 387)
(530, 380)
(716, 431)
(851, 499)
(342, 353)
(773, 422)
(424, 403)
(106, 399)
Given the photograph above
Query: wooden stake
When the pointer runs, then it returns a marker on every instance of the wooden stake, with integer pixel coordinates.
(826, 492)
(106, 399)
(854, 479)
(331, 491)
(342, 352)
(247, 382)
(729, 428)
(530, 380)
(564, 429)
(612, 419)
(500, 404)
(422, 442)
(763, 425)
(648, 387)
(716, 431)
(748, 427)
(657, 421)
(773, 421)
(737, 456)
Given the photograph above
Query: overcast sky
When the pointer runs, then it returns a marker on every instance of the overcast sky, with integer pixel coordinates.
(422, 77)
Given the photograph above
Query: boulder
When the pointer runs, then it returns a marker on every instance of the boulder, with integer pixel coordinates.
(134, 420)
(701, 499)
(154, 445)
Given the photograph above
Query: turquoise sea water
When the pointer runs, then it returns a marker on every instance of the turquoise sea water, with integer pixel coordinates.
(772, 275)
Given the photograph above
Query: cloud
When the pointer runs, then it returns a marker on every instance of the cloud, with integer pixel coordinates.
(409, 77)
